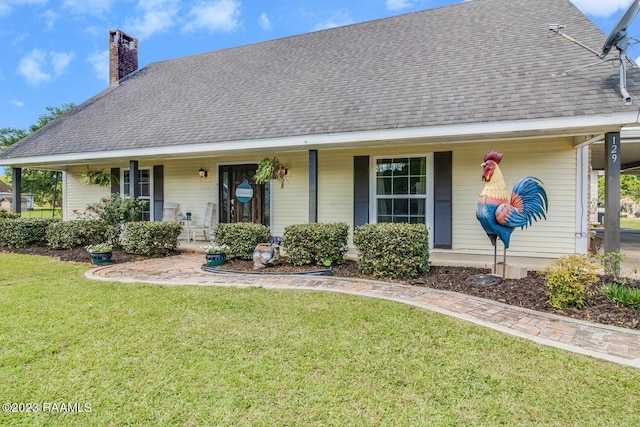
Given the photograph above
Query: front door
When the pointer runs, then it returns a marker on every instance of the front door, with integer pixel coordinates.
(241, 199)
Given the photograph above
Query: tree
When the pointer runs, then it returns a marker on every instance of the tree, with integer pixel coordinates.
(44, 185)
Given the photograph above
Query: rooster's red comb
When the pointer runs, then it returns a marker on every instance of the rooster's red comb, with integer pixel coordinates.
(493, 155)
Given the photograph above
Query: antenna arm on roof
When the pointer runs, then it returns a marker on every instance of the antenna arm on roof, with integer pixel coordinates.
(556, 29)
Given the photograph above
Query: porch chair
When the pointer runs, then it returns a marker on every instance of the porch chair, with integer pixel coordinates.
(170, 212)
(205, 228)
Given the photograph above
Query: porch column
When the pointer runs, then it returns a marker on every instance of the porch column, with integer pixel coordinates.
(612, 193)
(134, 189)
(313, 185)
(17, 190)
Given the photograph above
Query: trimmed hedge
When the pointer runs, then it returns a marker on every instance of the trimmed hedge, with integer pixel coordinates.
(24, 232)
(392, 249)
(151, 238)
(70, 234)
(316, 243)
(242, 238)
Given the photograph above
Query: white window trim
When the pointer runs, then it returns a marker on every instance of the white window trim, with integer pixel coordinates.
(150, 198)
(373, 197)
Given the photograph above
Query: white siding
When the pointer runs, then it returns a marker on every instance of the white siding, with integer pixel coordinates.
(551, 160)
(291, 203)
(78, 194)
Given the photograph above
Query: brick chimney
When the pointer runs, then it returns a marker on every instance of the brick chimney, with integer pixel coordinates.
(123, 55)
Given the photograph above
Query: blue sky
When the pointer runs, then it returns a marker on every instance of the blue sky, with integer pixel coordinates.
(55, 52)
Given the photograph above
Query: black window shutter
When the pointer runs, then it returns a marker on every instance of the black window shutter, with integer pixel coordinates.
(158, 191)
(115, 183)
(360, 190)
(443, 199)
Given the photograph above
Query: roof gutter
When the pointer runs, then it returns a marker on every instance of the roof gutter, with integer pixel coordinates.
(459, 133)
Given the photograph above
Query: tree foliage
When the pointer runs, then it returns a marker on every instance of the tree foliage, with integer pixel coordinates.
(43, 185)
(629, 187)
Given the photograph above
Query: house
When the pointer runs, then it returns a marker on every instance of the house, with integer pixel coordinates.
(387, 120)
(6, 203)
(6, 198)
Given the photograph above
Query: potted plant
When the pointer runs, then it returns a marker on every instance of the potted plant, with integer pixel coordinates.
(97, 177)
(100, 253)
(216, 254)
(270, 168)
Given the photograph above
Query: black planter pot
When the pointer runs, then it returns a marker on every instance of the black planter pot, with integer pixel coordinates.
(98, 258)
(215, 259)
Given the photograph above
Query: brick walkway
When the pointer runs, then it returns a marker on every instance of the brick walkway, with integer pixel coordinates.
(614, 344)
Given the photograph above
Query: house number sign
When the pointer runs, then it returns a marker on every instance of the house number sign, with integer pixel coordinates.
(614, 149)
(244, 192)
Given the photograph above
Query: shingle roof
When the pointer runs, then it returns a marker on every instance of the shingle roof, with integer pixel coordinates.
(473, 62)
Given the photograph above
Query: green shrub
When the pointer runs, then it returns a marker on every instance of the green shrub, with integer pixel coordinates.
(24, 232)
(116, 210)
(322, 244)
(151, 238)
(70, 234)
(569, 280)
(242, 238)
(392, 250)
(8, 215)
(622, 295)
(611, 263)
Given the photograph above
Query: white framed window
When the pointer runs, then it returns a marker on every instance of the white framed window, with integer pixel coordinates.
(145, 189)
(401, 188)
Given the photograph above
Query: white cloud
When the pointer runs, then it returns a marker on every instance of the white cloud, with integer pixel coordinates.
(17, 103)
(220, 15)
(337, 19)
(100, 63)
(49, 18)
(38, 66)
(31, 67)
(398, 4)
(600, 8)
(60, 61)
(88, 7)
(158, 16)
(264, 21)
(6, 6)
(5, 9)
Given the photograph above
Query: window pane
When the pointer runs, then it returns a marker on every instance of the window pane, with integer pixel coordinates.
(417, 220)
(384, 218)
(384, 167)
(384, 186)
(385, 207)
(418, 185)
(419, 166)
(417, 207)
(144, 183)
(400, 167)
(403, 219)
(400, 207)
(401, 185)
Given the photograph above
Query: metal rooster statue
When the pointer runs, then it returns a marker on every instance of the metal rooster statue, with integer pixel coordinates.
(500, 213)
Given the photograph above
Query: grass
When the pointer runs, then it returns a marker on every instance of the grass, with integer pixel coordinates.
(156, 355)
(632, 223)
(41, 213)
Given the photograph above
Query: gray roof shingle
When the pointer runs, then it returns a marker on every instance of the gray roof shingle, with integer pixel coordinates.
(477, 61)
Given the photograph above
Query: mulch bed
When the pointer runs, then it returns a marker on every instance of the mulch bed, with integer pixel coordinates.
(529, 292)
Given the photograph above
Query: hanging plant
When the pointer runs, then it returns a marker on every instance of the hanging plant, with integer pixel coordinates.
(270, 168)
(97, 177)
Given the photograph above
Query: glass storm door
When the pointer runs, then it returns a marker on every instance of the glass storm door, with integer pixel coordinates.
(241, 199)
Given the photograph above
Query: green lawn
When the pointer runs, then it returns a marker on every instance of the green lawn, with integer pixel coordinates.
(154, 355)
(633, 223)
(41, 213)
